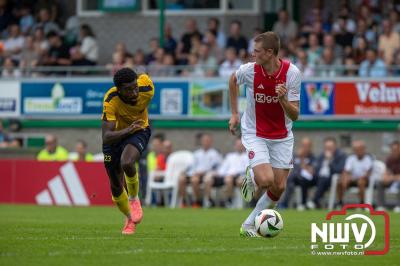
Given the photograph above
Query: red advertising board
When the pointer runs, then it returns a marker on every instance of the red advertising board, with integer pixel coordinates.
(54, 183)
(368, 99)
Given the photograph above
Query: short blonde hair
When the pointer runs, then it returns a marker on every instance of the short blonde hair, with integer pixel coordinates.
(269, 40)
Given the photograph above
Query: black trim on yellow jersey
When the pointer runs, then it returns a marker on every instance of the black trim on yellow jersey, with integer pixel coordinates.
(145, 89)
(111, 95)
(104, 116)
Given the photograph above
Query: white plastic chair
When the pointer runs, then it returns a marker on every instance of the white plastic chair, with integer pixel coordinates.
(378, 169)
(177, 163)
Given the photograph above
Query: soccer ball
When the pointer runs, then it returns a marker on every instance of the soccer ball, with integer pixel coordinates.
(268, 223)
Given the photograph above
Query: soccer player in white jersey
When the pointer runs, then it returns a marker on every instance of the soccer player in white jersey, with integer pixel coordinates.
(273, 95)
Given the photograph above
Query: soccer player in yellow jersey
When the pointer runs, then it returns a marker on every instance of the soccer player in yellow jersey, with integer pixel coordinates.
(125, 134)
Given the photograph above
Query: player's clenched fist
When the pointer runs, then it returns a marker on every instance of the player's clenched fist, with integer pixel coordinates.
(281, 90)
(233, 124)
(136, 125)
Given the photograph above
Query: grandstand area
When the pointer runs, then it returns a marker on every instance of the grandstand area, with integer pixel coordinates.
(57, 61)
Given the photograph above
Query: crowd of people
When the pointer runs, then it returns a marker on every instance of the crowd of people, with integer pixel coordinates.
(360, 40)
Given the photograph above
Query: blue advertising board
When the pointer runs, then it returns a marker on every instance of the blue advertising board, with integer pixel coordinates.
(49, 98)
(317, 98)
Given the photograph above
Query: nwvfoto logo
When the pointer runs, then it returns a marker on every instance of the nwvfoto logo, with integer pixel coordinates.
(319, 98)
(349, 235)
(65, 189)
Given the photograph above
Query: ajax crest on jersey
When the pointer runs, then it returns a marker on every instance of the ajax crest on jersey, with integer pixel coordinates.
(268, 223)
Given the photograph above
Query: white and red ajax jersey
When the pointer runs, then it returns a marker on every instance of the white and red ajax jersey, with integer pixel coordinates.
(264, 116)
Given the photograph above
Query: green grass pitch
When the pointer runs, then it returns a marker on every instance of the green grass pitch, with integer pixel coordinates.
(32, 235)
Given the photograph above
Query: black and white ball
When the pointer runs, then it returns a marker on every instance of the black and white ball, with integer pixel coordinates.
(268, 223)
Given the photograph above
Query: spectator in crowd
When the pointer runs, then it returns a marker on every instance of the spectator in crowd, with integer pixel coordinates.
(360, 51)
(151, 56)
(185, 44)
(81, 153)
(231, 63)
(50, 6)
(215, 50)
(285, 27)
(302, 174)
(52, 151)
(139, 58)
(331, 161)
(235, 38)
(196, 43)
(168, 67)
(349, 23)
(209, 62)
(46, 22)
(343, 37)
(156, 66)
(40, 41)
(87, 53)
(30, 54)
(206, 159)
(118, 62)
(170, 43)
(364, 32)
(14, 43)
(6, 16)
(10, 69)
(391, 176)
(58, 53)
(257, 31)
(357, 170)
(229, 174)
(396, 65)
(5, 140)
(302, 64)
(193, 69)
(314, 50)
(213, 25)
(372, 66)
(329, 42)
(163, 155)
(155, 149)
(327, 65)
(389, 42)
(350, 67)
(394, 20)
(26, 20)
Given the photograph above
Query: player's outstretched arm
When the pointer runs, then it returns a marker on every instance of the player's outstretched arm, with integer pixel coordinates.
(111, 136)
(233, 96)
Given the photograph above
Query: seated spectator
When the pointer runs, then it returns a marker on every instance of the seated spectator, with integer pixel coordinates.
(26, 21)
(357, 171)
(185, 44)
(215, 50)
(301, 175)
(213, 26)
(5, 140)
(206, 159)
(208, 61)
(229, 174)
(30, 54)
(58, 53)
(163, 155)
(6, 16)
(235, 38)
(52, 151)
(331, 161)
(40, 41)
(285, 27)
(193, 69)
(389, 42)
(343, 37)
(46, 23)
(327, 65)
(118, 62)
(154, 44)
(168, 66)
(302, 64)
(81, 153)
(156, 66)
(350, 67)
(314, 50)
(87, 53)
(10, 69)
(231, 63)
(170, 43)
(372, 66)
(14, 43)
(391, 176)
(156, 148)
(360, 51)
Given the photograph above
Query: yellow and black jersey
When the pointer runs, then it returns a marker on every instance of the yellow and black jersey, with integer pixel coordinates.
(114, 109)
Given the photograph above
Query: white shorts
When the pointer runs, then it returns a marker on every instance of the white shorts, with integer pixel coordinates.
(278, 153)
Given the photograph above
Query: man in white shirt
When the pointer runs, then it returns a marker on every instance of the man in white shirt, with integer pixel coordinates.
(273, 95)
(230, 174)
(206, 159)
(357, 170)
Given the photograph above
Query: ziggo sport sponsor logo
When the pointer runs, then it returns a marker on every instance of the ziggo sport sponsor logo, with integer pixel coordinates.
(262, 98)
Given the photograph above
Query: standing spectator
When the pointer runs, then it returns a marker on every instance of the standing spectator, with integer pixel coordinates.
(236, 39)
(392, 176)
(357, 171)
(87, 53)
(206, 159)
(331, 161)
(231, 63)
(389, 43)
(372, 66)
(14, 43)
(301, 175)
(169, 40)
(52, 151)
(213, 25)
(285, 27)
(81, 153)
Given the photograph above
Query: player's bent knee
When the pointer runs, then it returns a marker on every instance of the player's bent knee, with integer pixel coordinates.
(265, 180)
(129, 167)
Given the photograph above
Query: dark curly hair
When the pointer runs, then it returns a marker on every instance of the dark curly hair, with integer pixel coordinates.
(124, 75)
